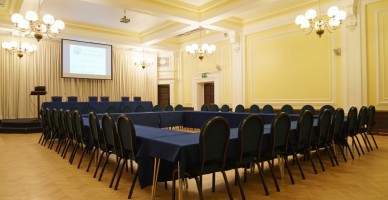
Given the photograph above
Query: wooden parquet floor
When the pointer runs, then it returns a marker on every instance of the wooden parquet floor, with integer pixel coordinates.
(31, 171)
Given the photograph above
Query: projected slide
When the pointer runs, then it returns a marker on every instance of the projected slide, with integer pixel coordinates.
(86, 60)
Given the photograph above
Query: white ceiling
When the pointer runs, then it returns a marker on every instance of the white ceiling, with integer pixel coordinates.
(157, 21)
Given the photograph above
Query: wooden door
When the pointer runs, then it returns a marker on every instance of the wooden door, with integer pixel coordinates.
(163, 95)
(208, 94)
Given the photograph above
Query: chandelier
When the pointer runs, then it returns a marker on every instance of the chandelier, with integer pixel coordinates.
(31, 23)
(200, 51)
(310, 21)
(143, 63)
(19, 48)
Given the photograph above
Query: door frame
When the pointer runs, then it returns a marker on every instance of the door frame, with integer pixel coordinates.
(198, 87)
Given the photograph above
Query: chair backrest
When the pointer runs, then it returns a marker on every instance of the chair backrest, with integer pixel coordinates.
(157, 108)
(95, 129)
(267, 109)
(352, 121)
(239, 108)
(225, 108)
(109, 129)
(93, 98)
(254, 109)
(126, 109)
(337, 123)
(213, 141)
(287, 108)
(179, 107)
(69, 123)
(214, 108)
(204, 107)
(78, 125)
(361, 120)
(136, 98)
(56, 99)
(323, 128)
(169, 108)
(112, 109)
(370, 118)
(304, 127)
(308, 107)
(42, 113)
(127, 135)
(124, 98)
(72, 99)
(328, 107)
(280, 130)
(104, 98)
(50, 123)
(62, 124)
(250, 134)
(139, 108)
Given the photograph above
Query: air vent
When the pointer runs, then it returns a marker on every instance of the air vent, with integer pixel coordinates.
(189, 32)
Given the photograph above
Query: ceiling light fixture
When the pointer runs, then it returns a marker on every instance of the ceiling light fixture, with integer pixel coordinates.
(143, 63)
(19, 48)
(125, 19)
(200, 51)
(330, 22)
(31, 23)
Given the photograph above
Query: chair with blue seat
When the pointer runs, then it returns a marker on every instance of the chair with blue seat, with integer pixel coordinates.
(254, 108)
(70, 129)
(56, 99)
(72, 99)
(169, 108)
(279, 134)
(267, 109)
(204, 107)
(104, 99)
(213, 142)
(93, 99)
(361, 123)
(179, 107)
(225, 108)
(287, 108)
(136, 98)
(239, 108)
(307, 107)
(342, 138)
(214, 108)
(125, 98)
(157, 108)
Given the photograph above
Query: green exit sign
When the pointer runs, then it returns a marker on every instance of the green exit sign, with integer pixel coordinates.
(204, 75)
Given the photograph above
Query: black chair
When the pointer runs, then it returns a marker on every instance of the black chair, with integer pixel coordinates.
(267, 109)
(361, 122)
(139, 108)
(370, 123)
(308, 107)
(93, 99)
(55, 128)
(104, 99)
(328, 107)
(250, 134)
(46, 129)
(323, 129)
(254, 109)
(127, 138)
(81, 138)
(70, 129)
(96, 136)
(72, 99)
(108, 129)
(169, 108)
(214, 108)
(287, 109)
(56, 99)
(303, 137)
(337, 128)
(64, 134)
(204, 107)
(225, 108)
(352, 128)
(213, 143)
(239, 108)
(179, 107)
(157, 108)
(280, 129)
(124, 98)
(342, 139)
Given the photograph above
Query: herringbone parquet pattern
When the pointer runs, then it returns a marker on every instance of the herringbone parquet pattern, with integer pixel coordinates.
(31, 171)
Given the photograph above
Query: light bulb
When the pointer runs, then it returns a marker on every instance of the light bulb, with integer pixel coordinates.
(48, 19)
(310, 14)
(332, 11)
(300, 19)
(31, 16)
(16, 18)
(6, 45)
(341, 15)
(59, 24)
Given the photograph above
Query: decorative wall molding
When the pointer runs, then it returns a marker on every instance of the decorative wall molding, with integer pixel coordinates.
(381, 66)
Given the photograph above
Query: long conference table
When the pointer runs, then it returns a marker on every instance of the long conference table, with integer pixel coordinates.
(179, 149)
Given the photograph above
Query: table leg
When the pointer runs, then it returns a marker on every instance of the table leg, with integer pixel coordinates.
(281, 166)
(155, 177)
(180, 190)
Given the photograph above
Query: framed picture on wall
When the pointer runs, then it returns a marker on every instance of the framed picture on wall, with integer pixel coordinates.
(163, 61)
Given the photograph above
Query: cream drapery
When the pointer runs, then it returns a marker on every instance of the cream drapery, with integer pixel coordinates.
(19, 76)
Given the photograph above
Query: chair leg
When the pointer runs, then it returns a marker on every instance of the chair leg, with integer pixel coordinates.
(308, 153)
(115, 172)
(288, 169)
(262, 179)
(363, 139)
(91, 158)
(98, 165)
(239, 184)
(319, 158)
(330, 146)
(359, 144)
(374, 140)
(330, 157)
(342, 152)
(367, 139)
(125, 163)
(213, 182)
(227, 184)
(82, 156)
(103, 168)
(132, 186)
(66, 148)
(354, 143)
(73, 153)
(273, 176)
(199, 187)
(300, 168)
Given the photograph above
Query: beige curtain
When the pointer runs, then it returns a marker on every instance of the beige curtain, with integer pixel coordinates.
(18, 77)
